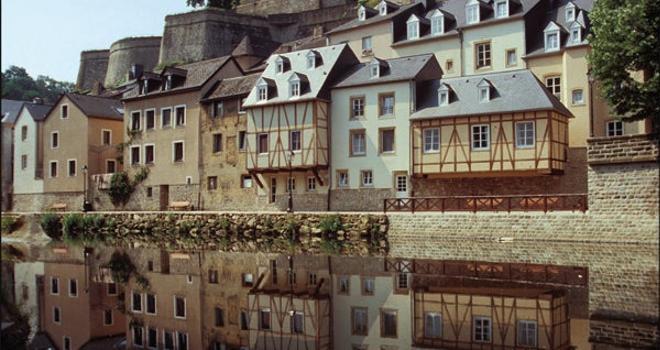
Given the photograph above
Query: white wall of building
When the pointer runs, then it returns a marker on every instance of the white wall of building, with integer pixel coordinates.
(24, 179)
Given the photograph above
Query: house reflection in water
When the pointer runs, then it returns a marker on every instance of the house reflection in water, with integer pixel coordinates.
(216, 300)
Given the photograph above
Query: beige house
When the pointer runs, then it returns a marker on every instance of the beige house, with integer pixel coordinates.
(163, 117)
(81, 134)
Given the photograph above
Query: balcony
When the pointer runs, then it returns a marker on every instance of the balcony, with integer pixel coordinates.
(102, 181)
(508, 203)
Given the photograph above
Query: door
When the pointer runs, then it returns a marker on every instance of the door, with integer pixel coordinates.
(401, 185)
(164, 196)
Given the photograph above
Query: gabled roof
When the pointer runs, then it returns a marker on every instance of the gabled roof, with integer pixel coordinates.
(38, 112)
(233, 87)
(398, 69)
(94, 106)
(513, 91)
(10, 110)
(557, 14)
(356, 23)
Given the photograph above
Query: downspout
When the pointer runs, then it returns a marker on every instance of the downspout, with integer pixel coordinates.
(460, 39)
(329, 147)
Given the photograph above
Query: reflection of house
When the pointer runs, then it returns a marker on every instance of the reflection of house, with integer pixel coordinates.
(290, 307)
(28, 284)
(288, 114)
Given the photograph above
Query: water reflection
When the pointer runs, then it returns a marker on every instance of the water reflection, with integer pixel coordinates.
(142, 298)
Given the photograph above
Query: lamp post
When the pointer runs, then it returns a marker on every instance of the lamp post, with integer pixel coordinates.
(590, 78)
(86, 205)
(289, 188)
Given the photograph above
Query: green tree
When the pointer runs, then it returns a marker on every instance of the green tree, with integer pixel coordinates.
(17, 84)
(625, 39)
(223, 4)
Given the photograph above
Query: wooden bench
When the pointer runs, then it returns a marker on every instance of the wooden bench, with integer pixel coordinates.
(58, 207)
(183, 205)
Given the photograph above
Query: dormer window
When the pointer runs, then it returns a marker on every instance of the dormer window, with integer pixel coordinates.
(374, 69)
(569, 14)
(262, 93)
(382, 8)
(501, 8)
(168, 82)
(443, 95)
(295, 89)
(484, 87)
(472, 12)
(281, 64)
(145, 87)
(551, 35)
(413, 27)
(576, 33)
(437, 23)
(313, 59)
(280, 67)
(362, 13)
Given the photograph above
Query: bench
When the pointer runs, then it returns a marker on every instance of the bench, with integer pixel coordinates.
(183, 205)
(58, 207)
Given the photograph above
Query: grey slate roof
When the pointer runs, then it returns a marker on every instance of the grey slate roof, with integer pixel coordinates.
(37, 111)
(233, 87)
(398, 69)
(356, 23)
(513, 91)
(10, 109)
(556, 14)
(332, 57)
(95, 106)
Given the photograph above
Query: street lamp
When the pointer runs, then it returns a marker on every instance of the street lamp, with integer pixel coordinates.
(87, 206)
(590, 78)
(289, 186)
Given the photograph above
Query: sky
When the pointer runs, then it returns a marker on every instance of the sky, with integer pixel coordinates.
(46, 36)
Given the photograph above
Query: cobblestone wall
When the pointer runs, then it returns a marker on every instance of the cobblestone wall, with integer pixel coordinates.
(36, 202)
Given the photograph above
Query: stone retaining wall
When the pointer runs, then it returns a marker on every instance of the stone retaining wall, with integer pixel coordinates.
(36, 202)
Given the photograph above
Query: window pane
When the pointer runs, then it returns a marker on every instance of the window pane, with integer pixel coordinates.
(387, 141)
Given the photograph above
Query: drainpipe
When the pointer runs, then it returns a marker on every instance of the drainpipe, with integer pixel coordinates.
(590, 78)
(462, 58)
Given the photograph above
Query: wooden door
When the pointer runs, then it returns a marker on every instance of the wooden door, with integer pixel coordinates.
(164, 197)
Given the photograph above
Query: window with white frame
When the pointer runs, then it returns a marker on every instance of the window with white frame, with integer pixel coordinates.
(382, 8)
(483, 55)
(54, 286)
(168, 83)
(569, 14)
(295, 88)
(53, 168)
(614, 128)
(181, 341)
(501, 8)
(432, 325)
(576, 33)
(149, 154)
(246, 181)
(358, 143)
(168, 340)
(55, 139)
(367, 178)
(401, 183)
(136, 302)
(73, 287)
(64, 111)
(577, 97)
(472, 12)
(551, 37)
(72, 167)
(357, 107)
(150, 119)
(218, 109)
(386, 104)
(57, 315)
(413, 27)
(311, 184)
(262, 93)
(67, 343)
(431, 140)
(484, 94)
(311, 60)
(106, 137)
(525, 134)
(527, 333)
(150, 300)
(482, 329)
(24, 161)
(110, 166)
(342, 178)
(138, 336)
(179, 307)
(511, 57)
(480, 137)
(443, 95)
(165, 117)
(437, 23)
(295, 140)
(152, 338)
(180, 115)
(136, 120)
(177, 151)
(135, 155)
(279, 62)
(24, 130)
(366, 44)
(553, 83)
(362, 13)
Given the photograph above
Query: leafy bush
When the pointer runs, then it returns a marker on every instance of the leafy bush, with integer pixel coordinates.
(74, 227)
(121, 188)
(140, 176)
(10, 223)
(330, 247)
(330, 225)
(121, 266)
(52, 226)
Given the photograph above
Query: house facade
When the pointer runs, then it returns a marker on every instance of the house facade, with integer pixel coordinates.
(10, 110)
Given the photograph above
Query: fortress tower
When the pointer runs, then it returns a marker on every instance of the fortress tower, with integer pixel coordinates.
(129, 51)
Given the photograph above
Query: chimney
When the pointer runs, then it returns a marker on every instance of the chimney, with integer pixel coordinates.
(135, 72)
(38, 101)
(318, 31)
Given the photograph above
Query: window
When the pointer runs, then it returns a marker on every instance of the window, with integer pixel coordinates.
(151, 304)
(472, 12)
(111, 289)
(358, 143)
(387, 141)
(311, 184)
(570, 13)
(295, 143)
(401, 183)
(150, 191)
(264, 319)
(54, 286)
(150, 119)
(273, 189)
(402, 280)
(297, 322)
(241, 140)
(484, 94)
(577, 97)
(136, 119)
(138, 336)
(179, 307)
(501, 9)
(382, 8)
(168, 83)
(413, 27)
(57, 315)
(165, 117)
(189, 278)
(213, 276)
(525, 134)
(53, 168)
(262, 146)
(614, 128)
(55, 139)
(219, 317)
(386, 102)
(152, 338)
(246, 181)
(248, 280)
(367, 178)
(295, 89)
(212, 183)
(437, 23)
(262, 93)
(149, 154)
(106, 137)
(136, 302)
(217, 143)
(483, 55)
(244, 321)
(362, 13)
(431, 140)
(576, 34)
(480, 137)
(64, 111)
(168, 340)
(443, 96)
(449, 64)
(24, 132)
(344, 285)
(432, 325)
(177, 151)
(280, 65)
(135, 155)
(67, 343)
(73, 288)
(388, 323)
(366, 45)
(481, 329)
(180, 115)
(24, 161)
(218, 109)
(368, 285)
(342, 178)
(526, 333)
(71, 167)
(107, 317)
(357, 107)
(374, 70)
(511, 58)
(359, 321)
(553, 84)
(552, 40)
(290, 184)
(110, 166)
(311, 60)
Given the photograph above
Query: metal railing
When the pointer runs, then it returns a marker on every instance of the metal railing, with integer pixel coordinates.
(507, 203)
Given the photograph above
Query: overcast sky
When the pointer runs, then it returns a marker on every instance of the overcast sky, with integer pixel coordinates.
(46, 36)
